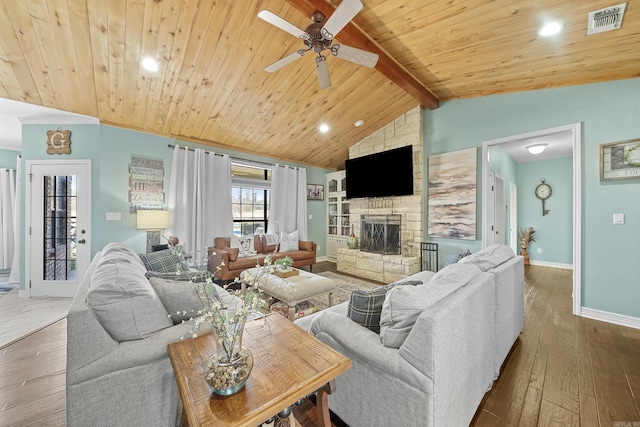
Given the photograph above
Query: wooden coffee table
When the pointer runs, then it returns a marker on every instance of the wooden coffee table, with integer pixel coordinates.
(289, 364)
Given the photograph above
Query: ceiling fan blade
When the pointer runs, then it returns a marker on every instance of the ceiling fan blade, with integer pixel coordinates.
(286, 60)
(275, 20)
(341, 17)
(355, 55)
(323, 72)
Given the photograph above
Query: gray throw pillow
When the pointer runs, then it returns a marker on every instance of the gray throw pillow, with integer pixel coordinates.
(365, 305)
(125, 303)
(164, 261)
(178, 297)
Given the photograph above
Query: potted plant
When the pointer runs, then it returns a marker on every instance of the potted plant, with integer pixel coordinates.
(284, 263)
(526, 237)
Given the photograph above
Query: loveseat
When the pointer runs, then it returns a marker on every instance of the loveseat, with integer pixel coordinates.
(440, 347)
(118, 328)
(231, 263)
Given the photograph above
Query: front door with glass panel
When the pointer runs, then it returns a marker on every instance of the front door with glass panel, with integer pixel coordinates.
(59, 246)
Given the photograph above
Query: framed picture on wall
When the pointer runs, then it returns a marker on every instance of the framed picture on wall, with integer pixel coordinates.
(620, 160)
(315, 192)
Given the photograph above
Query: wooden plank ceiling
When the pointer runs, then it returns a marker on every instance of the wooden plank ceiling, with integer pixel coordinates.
(83, 56)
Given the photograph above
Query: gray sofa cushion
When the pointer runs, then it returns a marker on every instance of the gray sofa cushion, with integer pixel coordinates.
(164, 261)
(179, 297)
(125, 303)
(365, 305)
(403, 304)
(489, 257)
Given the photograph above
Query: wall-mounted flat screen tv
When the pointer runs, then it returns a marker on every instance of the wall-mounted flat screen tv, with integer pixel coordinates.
(385, 174)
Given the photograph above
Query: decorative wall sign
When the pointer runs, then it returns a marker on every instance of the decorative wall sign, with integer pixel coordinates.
(58, 141)
(452, 195)
(146, 184)
(620, 160)
(315, 192)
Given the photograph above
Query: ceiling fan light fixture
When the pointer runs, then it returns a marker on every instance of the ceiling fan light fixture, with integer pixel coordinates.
(536, 149)
(550, 29)
(150, 64)
(324, 79)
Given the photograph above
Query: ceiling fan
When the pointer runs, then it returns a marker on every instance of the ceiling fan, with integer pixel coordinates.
(318, 37)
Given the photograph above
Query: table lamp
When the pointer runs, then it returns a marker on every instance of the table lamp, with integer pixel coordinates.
(154, 222)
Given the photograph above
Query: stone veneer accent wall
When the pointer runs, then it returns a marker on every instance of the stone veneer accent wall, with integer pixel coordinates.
(403, 131)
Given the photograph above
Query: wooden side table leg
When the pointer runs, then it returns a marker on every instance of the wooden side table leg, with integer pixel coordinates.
(322, 404)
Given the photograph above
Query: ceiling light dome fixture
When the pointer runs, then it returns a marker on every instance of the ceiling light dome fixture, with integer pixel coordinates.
(536, 149)
(550, 29)
(324, 128)
(150, 64)
(358, 123)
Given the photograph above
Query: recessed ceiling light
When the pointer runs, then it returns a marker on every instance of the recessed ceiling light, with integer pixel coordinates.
(150, 64)
(324, 128)
(551, 29)
(358, 123)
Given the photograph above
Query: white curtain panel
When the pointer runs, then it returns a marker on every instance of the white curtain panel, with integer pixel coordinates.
(288, 204)
(15, 267)
(7, 206)
(200, 199)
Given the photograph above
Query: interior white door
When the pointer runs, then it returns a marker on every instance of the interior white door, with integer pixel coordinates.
(58, 209)
(490, 203)
(513, 217)
(499, 212)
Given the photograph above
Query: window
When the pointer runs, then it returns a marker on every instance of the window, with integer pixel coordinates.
(249, 198)
(59, 227)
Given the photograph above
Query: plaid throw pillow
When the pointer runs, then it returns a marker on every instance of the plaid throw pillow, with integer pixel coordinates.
(163, 261)
(365, 305)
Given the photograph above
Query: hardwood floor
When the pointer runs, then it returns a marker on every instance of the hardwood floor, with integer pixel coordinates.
(563, 370)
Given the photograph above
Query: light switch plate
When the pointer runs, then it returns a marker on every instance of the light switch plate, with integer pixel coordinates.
(618, 218)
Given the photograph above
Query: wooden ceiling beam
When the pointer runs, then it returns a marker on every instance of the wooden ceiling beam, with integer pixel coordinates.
(352, 35)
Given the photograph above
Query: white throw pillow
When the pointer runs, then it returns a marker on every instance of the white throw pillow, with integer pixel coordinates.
(244, 243)
(289, 242)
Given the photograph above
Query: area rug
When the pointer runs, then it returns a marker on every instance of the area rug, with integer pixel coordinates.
(344, 286)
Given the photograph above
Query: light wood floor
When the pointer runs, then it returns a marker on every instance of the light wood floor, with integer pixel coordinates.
(563, 370)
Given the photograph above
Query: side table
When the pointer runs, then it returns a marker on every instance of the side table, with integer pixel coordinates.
(289, 364)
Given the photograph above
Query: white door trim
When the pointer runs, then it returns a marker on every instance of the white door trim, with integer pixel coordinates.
(576, 134)
(29, 164)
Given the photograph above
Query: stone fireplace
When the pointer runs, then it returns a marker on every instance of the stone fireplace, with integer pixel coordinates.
(380, 234)
(404, 259)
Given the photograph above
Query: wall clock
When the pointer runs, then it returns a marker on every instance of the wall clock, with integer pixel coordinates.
(543, 192)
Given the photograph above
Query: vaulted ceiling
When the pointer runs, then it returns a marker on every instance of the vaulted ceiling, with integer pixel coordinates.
(83, 56)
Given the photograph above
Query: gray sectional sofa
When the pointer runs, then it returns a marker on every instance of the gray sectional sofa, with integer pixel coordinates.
(440, 347)
(118, 329)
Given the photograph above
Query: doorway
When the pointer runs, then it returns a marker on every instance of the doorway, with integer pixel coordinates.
(58, 212)
(574, 130)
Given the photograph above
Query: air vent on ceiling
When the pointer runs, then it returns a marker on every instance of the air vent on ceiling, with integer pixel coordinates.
(607, 19)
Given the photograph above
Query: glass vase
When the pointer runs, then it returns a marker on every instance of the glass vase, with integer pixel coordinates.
(228, 369)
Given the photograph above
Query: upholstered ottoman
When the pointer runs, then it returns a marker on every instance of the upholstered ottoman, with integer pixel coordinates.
(292, 289)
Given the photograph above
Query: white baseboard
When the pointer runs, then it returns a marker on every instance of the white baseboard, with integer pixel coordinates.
(322, 258)
(604, 316)
(22, 293)
(552, 264)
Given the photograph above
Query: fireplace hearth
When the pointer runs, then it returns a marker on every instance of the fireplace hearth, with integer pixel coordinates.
(380, 234)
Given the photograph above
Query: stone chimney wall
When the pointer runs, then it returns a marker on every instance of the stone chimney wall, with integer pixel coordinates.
(405, 130)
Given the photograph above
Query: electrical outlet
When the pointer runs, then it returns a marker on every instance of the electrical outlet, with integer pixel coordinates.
(539, 250)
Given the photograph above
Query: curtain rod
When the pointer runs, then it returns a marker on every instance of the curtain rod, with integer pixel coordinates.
(236, 159)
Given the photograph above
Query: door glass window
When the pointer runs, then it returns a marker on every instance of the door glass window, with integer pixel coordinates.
(59, 246)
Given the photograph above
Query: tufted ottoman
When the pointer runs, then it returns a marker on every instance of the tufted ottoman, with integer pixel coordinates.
(293, 289)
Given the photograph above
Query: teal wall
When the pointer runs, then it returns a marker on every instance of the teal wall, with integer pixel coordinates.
(8, 158)
(554, 231)
(110, 150)
(608, 112)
